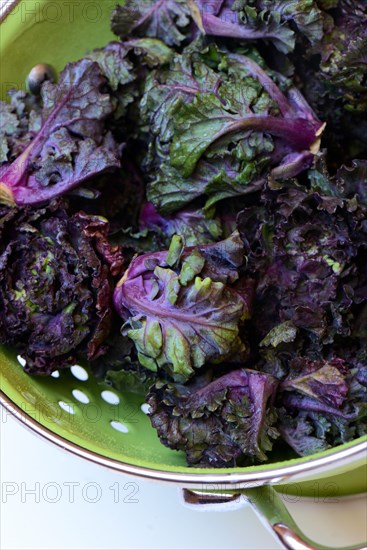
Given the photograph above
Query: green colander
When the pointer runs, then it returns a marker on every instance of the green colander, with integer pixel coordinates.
(73, 410)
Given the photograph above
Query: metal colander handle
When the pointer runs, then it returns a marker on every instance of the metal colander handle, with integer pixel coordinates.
(271, 510)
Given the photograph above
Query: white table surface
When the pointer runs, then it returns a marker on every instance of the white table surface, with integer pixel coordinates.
(39, 510)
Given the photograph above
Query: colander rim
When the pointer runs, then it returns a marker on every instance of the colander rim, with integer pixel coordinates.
(275, 474)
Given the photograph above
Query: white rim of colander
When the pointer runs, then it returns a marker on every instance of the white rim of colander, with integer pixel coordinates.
(6, 6)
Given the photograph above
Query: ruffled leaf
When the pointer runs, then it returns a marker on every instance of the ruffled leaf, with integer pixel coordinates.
(73, 113)
(55, 286)
(218, 422)
(183, 312)
(166, 19)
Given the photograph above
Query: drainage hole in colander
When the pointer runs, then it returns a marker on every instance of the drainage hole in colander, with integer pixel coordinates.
(66, 407)
(79, 372)
(55, 374)
(118, 426)
(80, 396)
(145, 408)
(110, 397)
(22, 362)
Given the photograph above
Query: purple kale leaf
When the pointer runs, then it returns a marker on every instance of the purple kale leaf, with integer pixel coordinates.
(125, 65)
(71, 144)
(269, 20)
(308, 254)
(218, 125)
(55, 286)
(323, 404)
(353, 180)
(217, 422)
(191, 225)
(19, 120)
(167, 20)
(215, 180)
(181, 307)
(320, 381)
(332, 75)
(343, 66)
(114, 64)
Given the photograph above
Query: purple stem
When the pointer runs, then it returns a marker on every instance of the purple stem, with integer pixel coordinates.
(267, 83)
(300, 132)
(218, 27)
(17, 170)
(148, 14)
(308, 404)
(234, 379)
(292, 165)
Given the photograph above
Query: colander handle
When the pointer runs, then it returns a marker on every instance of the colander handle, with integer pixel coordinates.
(271, 510)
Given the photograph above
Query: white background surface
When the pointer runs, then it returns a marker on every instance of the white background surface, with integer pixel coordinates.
(156, 521)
